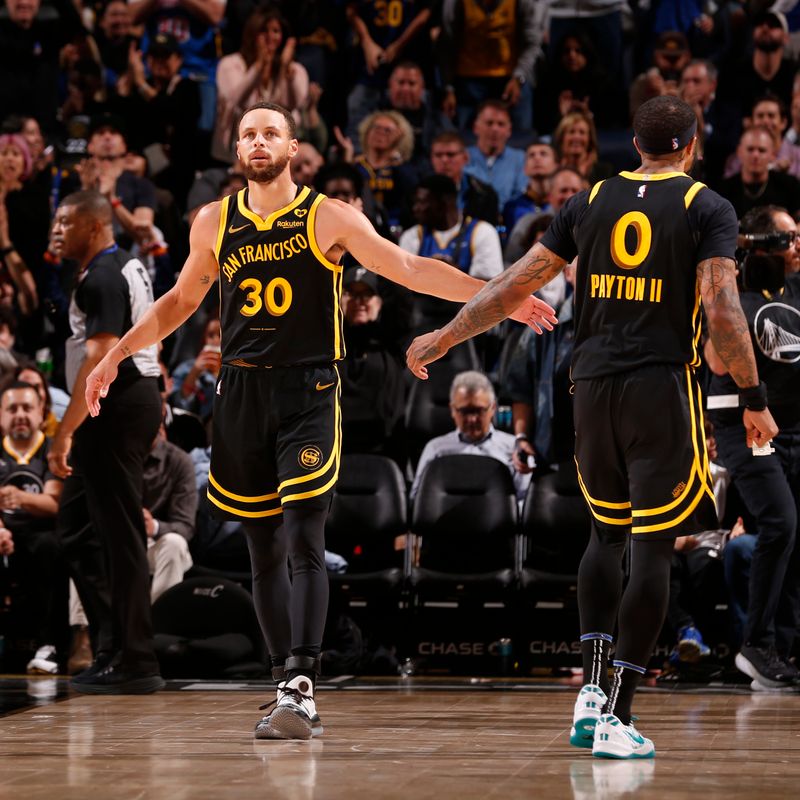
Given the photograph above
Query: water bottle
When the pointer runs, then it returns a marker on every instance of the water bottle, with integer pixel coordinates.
(44, 360)
(505, 654)
(503, 418)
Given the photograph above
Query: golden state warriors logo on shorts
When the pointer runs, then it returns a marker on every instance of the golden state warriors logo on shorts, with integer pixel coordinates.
(310, 457)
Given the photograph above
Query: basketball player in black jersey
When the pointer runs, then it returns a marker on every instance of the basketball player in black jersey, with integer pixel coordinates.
(276, 248)
(651, 245)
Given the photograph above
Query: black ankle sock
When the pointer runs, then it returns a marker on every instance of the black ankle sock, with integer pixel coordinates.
(594, 649)
(627, 678)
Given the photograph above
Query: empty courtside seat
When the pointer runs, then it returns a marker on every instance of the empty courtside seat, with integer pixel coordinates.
(367, 514)
(555, 527)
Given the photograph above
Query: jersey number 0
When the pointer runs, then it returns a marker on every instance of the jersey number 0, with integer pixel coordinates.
(644, 237)
(277, 297)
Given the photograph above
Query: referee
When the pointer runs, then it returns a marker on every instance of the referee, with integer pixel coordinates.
(651, 245)
(102, 459)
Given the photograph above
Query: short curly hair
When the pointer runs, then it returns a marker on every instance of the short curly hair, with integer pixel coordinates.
(405, 141)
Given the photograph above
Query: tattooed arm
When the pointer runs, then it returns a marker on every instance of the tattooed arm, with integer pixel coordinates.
(493, 303)
(726, 321)
(730, 338)
(169, 311)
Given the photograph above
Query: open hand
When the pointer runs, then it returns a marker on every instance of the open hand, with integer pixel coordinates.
(536, 314)
(100, 378)
(58, 454)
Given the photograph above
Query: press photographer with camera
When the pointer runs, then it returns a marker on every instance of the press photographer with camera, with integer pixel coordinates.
(768, 479)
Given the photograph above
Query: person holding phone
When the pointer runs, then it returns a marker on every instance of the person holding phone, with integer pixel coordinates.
(195, 379)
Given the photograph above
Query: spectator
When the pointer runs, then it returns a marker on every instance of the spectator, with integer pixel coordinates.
(472, 407)
(575, 81)
(575, 141)
(755, 185)
(100, 522)
(564, 183)
(540, 164)
(195, 25)
(670, 57)
(306, 164)
(23, 220)
(490, 158)
(488, 50)
(476, 198)
(113, 37)
(166, 108)
(373, 389)
(107, 171)
(196, 379)
(717, 135)
(764, 69)
(406, 93)
(54, 400)
(769, 112)
(169, 503)
(29, 57)
(208, 186)
(443, 232)
(264, 70)
(382, 38)
(387, 143)
(29, 495)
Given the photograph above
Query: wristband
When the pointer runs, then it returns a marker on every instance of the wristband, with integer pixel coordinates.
(521, 437)
(4, 251)
(754, 398)
(116, 202)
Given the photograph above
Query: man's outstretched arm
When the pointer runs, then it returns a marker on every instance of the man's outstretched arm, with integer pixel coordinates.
(493, 303)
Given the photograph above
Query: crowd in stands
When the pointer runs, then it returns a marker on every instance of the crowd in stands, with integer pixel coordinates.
(458, 127)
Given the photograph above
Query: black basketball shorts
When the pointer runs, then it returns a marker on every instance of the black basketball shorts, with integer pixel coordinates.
(276, 439)
(641, 452)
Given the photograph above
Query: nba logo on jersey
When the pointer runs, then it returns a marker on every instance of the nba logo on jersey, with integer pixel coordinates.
(674, 143)
(642, 190)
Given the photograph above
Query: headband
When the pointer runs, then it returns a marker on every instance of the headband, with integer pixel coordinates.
(663, 143)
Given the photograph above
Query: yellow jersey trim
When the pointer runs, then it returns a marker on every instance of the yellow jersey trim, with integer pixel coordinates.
(312, 237)
(252, 514)
(23, 459)
(266, 224)
(601, 503)
(223, 218)
(699, 469)
(692, 193)
(334, 452)
(665, 525)
(595, 190)
(240, 497)
(646, 176)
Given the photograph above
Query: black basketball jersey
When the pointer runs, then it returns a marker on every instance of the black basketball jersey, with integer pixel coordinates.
(639, 239)
(279, 295)
(28, 472)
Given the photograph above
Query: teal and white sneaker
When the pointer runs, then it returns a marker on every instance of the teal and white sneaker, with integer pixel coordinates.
(612, 739)
(588, 708)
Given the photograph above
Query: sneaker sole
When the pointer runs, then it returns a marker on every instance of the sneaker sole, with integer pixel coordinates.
(743, 665)
(582, 733)
(626, 757)
(37, 667)
(286, 724)
(138, 686)
(689, 651)
(757, 686)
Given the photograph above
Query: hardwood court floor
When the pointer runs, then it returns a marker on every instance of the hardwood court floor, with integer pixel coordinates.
(411, 740)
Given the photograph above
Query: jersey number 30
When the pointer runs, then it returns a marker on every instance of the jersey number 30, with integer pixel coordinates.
(644, 237)
(277, 297)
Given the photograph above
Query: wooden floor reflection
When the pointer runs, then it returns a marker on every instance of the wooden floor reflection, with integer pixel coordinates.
(415, 743)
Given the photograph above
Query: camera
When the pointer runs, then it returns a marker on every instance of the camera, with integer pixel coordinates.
(760, 260)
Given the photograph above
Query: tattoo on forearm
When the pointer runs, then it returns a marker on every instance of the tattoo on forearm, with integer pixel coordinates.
(205, 279)
(727, 324)
(126, 351)
(503, 294)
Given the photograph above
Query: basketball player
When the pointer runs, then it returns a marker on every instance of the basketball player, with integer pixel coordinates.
(651, 244)
(277, 424)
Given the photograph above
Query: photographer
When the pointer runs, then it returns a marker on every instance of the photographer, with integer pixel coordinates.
(768, 483)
